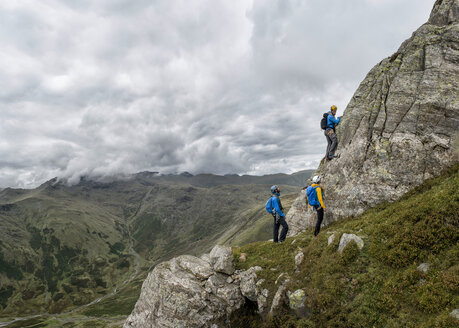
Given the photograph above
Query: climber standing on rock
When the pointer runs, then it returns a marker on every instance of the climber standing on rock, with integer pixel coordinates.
(328, 123)
(315, 200)
(274, 207)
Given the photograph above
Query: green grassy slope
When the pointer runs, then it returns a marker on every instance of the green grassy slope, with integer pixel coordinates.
(378, 286)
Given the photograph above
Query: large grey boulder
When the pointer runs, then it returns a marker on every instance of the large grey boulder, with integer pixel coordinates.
(221, 259)
(194, 292)
(401, 126)
(185, 292)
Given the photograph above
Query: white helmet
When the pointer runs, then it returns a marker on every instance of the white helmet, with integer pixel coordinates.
(316, 179)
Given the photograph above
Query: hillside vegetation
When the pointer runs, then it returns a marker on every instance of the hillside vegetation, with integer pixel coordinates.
(380, 285)
(65, 246)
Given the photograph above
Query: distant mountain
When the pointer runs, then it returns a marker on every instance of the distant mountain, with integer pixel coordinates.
(210, 180)
(64, 246)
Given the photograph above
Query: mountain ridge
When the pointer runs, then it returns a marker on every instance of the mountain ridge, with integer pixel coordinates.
(295, 178)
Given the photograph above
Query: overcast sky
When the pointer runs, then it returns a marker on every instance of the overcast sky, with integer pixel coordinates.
(120, 86)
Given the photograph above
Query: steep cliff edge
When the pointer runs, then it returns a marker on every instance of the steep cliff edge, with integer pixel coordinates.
(401, 126)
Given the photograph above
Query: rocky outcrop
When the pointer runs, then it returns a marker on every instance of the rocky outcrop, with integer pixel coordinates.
(296, 302)
(331, 239)
(299, 258)
(346, 238)
(423, 267)
(280, 296)
(196, 292)
(401, 126)
(221, 259)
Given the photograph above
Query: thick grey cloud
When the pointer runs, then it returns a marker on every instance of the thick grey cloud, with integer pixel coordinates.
(105, 87)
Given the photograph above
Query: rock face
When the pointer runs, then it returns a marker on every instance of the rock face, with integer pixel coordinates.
(195, 292)
(401, 126)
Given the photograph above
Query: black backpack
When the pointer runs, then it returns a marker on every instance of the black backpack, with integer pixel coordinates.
(323, 121)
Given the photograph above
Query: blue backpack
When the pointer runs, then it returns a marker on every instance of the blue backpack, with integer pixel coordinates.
(312, 195)
(269, 205)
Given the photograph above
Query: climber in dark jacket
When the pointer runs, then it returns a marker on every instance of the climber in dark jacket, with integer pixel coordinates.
(330, 133)
(274, 206)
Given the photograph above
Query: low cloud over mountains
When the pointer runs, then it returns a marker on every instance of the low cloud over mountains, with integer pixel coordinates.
(204, 86)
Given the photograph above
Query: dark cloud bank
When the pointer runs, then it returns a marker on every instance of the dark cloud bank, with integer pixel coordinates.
(99, 88)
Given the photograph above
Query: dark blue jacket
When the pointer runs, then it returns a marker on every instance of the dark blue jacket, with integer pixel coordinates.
(332, 121)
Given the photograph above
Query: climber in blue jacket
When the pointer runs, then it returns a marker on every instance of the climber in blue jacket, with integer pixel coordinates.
(330, 132)
(274, 207)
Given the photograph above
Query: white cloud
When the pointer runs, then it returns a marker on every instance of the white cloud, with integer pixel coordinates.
(107, 87)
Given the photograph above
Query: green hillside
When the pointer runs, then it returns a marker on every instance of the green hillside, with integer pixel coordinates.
(62, 246)
(380, 285)
(377, 286)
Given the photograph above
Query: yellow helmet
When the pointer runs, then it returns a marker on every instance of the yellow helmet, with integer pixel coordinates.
(333, 107)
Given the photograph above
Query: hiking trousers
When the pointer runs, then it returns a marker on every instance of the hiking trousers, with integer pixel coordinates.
(279, 221)
(320, 218)
(332, 141)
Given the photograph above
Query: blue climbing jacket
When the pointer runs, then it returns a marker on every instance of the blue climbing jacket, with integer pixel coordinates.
(332, 121)
(312, 196)
(273, 204)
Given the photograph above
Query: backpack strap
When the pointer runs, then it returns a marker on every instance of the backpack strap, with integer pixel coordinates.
(280, 204)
